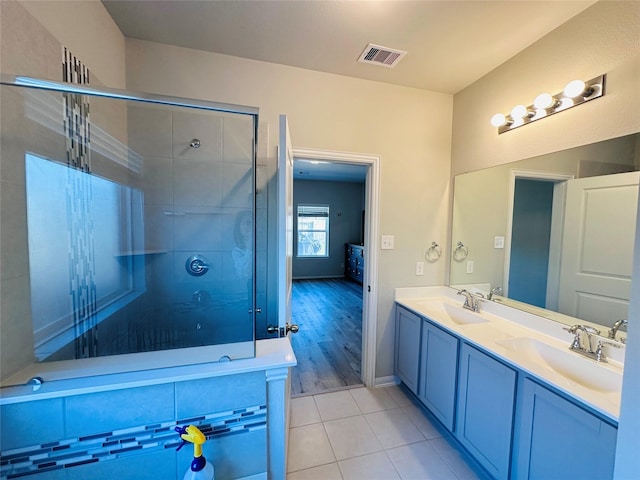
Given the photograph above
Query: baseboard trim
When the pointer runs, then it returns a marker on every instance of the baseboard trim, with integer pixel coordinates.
(321, 277)
(387, 381)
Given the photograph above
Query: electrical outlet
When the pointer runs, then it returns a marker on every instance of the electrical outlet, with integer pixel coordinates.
(470, 266)
(419, 268)
(387, 242)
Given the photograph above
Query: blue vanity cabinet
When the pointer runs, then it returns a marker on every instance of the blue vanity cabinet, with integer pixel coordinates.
(438, 372)
(559, 439)
(486, 398)
(407, 354)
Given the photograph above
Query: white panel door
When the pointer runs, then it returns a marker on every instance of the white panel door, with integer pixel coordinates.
(597, 247)
(285, 222)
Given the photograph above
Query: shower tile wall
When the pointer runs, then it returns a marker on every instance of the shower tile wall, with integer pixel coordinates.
(129, 433)
(27, 48)
(29, 124)
(193, 198)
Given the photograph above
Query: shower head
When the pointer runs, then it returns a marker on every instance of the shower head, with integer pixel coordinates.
(195, 143)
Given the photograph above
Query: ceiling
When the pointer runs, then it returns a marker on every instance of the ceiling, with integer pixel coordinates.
(449, 44)
(304, 169)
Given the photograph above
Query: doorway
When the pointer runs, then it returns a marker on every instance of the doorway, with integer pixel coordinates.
(367, 298)
(534, 236)
(530, 241)
(328, 345)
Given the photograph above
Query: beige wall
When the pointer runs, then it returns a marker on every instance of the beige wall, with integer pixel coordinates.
(409, 128)
(605, 38)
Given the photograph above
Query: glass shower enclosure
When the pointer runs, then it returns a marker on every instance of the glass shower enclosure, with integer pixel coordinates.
(127, 222)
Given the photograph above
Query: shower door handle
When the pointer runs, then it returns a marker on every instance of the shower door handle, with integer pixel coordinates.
(293, 328)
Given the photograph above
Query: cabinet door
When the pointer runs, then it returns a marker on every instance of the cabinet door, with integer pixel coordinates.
(407, 355)
(438, 372)
(559, 439)
(486, 399)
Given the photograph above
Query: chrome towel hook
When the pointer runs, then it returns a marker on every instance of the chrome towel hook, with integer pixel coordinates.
(460, 252)
(433, 252)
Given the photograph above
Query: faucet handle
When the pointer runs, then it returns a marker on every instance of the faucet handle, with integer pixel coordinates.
(599, 353)
(575, 344)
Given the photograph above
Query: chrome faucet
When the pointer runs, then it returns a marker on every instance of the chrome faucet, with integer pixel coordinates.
(577, 344)
(494, 291)
(614, 329)
(470, 302)
(587, 350)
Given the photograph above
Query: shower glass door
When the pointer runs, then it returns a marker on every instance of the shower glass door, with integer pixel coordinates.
(132, 219)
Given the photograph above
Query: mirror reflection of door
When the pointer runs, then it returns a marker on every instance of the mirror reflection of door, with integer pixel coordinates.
(597, 251)
(576, 235)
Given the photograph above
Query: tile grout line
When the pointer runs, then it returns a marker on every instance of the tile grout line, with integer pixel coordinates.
(399, 406)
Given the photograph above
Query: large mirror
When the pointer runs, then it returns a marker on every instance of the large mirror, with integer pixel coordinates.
(552, 234)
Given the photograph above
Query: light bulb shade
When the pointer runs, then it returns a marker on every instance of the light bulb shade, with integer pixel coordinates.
(519, 111)
(498, 120)
(574, 88)
(544, 100)
(540, 112)
(565, 103)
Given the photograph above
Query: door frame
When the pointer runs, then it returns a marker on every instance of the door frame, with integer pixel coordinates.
(372, 215)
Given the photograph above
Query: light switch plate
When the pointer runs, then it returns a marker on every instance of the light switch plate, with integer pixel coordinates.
(498, 242)
(387, 242)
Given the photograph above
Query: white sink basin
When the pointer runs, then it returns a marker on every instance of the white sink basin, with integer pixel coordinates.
(461, 316)
(443, 310)
(570, 365)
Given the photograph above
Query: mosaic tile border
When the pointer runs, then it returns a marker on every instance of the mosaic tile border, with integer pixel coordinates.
(73, 70)
(77, 127)
(100, 447)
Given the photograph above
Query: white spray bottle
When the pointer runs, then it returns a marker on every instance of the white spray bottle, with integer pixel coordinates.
(200, 469)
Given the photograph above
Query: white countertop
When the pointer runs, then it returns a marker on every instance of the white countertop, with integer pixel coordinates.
(503, 325)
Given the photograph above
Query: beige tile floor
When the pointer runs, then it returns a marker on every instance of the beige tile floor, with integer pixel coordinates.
(368, 434)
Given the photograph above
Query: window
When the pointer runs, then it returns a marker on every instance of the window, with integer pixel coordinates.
(313, 231)
(81, 232)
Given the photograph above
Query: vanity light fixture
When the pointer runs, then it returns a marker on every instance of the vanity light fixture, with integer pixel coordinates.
(574, 93)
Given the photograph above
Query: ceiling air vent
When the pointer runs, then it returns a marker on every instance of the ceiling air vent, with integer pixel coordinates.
(383, 56)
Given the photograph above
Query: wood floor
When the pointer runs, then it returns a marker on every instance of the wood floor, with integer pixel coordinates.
(329, 343)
